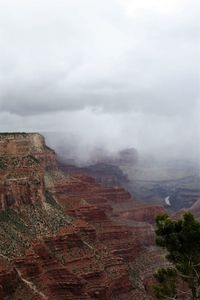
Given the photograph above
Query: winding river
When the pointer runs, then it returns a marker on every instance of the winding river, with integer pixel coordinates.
(167, 200)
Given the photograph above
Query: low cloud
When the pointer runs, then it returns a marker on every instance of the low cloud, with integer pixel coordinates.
(115, 73)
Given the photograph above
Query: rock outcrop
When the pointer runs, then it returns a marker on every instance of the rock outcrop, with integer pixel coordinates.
(105, 174)
(65, 236)
(21, 181)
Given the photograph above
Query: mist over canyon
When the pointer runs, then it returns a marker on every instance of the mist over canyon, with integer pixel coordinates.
(109, 75)
(70, 232)
(99, 139)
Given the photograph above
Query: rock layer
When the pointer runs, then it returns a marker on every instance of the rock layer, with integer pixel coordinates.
(70, 238)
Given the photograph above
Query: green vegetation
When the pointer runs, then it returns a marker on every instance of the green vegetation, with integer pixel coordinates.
(10, 134)
(14, 162)
(2, 164)
(48, 148)
(50, 200)
(11, 217)
(182, 241)
(34, 159)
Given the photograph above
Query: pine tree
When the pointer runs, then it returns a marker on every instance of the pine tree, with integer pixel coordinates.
(181, 239)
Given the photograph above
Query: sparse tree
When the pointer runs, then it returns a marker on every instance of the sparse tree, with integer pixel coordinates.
(181, 239)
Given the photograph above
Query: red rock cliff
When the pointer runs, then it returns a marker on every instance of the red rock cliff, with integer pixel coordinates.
(66, 237)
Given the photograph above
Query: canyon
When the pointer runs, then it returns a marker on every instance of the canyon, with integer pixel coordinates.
(173, 184)
(65, 235)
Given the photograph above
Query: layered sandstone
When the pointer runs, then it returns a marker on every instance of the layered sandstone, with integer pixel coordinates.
(21, 181)
(24, 144)
(70, 238)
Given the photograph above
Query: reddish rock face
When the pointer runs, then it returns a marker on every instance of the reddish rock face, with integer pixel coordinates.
(194, 209)
(106, 175)
(85, 242)
(24, 159)
(144, 214)
(21, 182)
(13, 144)
(24, 144)
(9, 281)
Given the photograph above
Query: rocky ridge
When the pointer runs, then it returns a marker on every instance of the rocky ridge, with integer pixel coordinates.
(65, 236)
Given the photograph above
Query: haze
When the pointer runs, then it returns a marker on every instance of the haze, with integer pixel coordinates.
(111, 74)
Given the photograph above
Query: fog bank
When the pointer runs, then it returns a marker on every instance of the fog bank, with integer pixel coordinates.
(104, 74)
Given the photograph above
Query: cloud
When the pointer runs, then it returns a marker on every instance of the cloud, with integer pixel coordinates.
(163, 7)
(101, 70)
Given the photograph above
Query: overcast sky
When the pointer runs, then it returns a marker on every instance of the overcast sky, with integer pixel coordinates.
(117, 73)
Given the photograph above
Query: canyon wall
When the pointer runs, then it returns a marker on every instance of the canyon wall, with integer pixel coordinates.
(65, 236)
